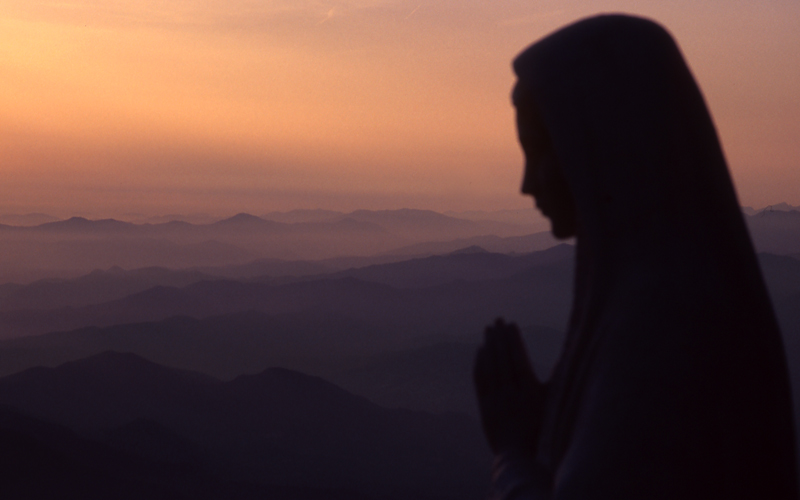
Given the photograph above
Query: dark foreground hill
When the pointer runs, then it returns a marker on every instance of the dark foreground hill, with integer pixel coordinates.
(278, 428)
(42, 461)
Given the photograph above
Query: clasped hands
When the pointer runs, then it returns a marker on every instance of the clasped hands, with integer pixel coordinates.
(510, 396)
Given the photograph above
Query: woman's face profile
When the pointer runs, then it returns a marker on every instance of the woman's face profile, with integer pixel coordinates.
(543, 178)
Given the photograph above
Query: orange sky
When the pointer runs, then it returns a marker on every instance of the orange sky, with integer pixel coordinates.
(159, 106)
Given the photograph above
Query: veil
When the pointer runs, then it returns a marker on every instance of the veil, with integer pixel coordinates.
(674, 370)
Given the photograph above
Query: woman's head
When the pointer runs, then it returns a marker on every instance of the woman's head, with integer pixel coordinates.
(611, 119)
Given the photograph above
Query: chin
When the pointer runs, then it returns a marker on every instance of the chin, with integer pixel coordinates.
(562, 231)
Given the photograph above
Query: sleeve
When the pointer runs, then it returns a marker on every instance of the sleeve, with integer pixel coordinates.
(674, 414)
(671, 414)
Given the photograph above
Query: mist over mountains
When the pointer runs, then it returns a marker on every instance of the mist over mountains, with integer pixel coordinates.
(76, 246)
(410, 297)
(306, 354)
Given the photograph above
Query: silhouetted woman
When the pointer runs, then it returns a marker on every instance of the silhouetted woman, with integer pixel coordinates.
(672, 383)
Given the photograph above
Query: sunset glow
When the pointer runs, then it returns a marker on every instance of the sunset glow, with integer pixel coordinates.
(117, 106)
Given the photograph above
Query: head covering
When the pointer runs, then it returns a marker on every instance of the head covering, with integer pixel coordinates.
(673, 379)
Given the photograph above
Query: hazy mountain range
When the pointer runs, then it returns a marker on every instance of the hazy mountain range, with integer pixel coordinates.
(194, 375)
(69, 248)
(433, 296)
(783, 206)
(76, 246)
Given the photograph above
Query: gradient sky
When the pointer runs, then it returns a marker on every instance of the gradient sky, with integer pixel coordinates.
(221, 106)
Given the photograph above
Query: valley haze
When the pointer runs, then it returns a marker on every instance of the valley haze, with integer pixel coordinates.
(282, 354)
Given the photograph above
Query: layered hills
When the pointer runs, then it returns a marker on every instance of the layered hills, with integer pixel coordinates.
(274, 428)
(308, 354)
(75, 246)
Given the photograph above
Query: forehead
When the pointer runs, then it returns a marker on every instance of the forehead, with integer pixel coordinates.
(523, 101)
(528, 119)
(516, 90)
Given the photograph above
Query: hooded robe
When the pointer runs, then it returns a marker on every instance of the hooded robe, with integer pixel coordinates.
(673, 381)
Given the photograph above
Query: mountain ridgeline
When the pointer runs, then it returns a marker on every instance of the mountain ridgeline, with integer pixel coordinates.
(72, 247)
(301, 355)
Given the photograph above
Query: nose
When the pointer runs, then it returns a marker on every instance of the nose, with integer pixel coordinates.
(529, 181)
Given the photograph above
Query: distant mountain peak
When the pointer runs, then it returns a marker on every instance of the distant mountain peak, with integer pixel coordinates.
(411, 219)
(71, 222)
(769, 212)
(470, 250)
(778, 207)
(116, 270)
(402, 212)
(84, 224)
(242, 217)
(245, 220)
(303, 215)
(783, 206)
